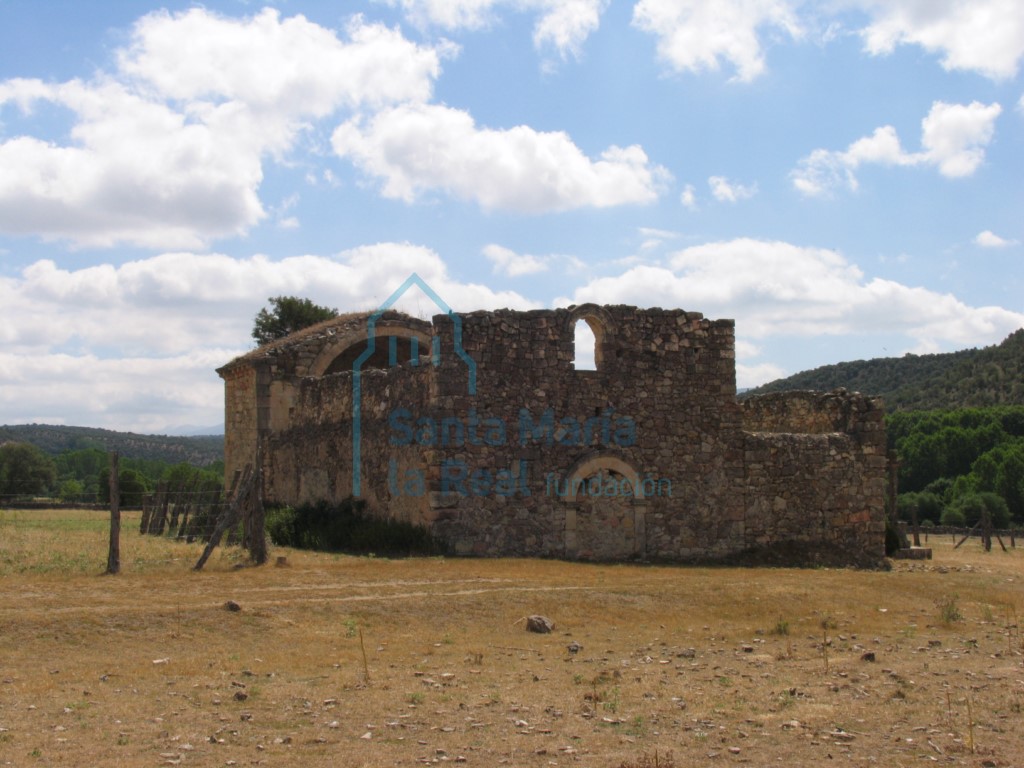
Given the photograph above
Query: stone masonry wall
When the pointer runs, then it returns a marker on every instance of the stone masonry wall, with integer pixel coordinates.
(666, 375)
(649, 456)
(240, 429)
(816, 471)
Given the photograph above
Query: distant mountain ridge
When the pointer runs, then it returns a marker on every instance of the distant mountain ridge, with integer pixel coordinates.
(971, 378)
(200, 450)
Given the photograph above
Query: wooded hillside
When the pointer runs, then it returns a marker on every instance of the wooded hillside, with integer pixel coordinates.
(967, 379)
(199, 451)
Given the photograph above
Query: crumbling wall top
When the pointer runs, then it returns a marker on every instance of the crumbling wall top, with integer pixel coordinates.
(804, 412)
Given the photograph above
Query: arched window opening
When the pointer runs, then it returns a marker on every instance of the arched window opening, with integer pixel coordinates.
(585, 357)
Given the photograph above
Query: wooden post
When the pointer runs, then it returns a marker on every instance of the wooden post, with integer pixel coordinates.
(229, 516)
(156, 521)
(147, 509)
(966, 535)
(894, 467)
(114, 551)
(181, 509)
(257, 517)
(160, 500)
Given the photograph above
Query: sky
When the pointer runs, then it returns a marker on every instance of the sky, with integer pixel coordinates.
(842, 178)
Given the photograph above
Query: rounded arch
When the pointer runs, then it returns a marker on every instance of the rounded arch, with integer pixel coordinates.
(599, 321)
(608, 525)
(352, 344)
(591, 465)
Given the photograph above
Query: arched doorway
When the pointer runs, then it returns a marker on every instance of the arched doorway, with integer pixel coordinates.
(605, 515)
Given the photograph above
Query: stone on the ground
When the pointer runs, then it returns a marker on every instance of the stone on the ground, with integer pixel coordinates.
(541, 624)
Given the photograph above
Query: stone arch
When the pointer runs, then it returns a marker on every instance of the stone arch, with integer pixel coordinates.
(345, 349)
(604, 525)
(600, 323)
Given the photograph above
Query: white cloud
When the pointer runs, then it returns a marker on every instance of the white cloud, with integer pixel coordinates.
(449, 14)
(416, 148)
(136, 172)
(167, 151)
(508, 262)
(564, 25)
(694, 35)
(289, 68)
(654, 238)
(143, 395)
(661, 234)
(953, 136)
(778, 290)
(985, 36)
(688, 197)
(989, 239)
(725, 191)
(68, 354)
(748, 376)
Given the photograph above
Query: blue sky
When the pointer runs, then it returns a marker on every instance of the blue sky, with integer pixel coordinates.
(841, 178)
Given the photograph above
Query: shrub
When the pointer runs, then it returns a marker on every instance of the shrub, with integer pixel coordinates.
(71, 491)
(280, 526)
(949, 610)
(345, 528)
(954, 517)
(998, 509)
(973, 505)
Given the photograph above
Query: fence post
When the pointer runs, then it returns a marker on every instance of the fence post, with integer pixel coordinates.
(114, 552)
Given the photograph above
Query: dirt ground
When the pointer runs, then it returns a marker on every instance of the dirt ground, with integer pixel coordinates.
(335, 660)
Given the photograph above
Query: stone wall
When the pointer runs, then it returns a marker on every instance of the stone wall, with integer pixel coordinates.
(650, 456)
(816, 471)
(240, 426)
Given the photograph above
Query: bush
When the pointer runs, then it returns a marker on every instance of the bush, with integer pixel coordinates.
(998, 509)
(345, 528)
(71, 491)
(973, 505)
(954, 517)
(929, 506)
(280, 526)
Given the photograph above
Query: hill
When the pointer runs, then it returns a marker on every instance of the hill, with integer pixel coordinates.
(199, 451)
(966, 379)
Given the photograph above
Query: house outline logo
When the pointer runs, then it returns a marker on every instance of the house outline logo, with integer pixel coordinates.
(371, 346)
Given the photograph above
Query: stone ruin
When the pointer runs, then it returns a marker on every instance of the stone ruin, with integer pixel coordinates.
(480, 427)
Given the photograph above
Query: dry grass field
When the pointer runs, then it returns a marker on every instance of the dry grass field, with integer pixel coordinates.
(337, 660)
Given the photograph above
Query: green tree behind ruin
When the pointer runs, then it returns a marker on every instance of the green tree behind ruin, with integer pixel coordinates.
(286, 315)
(960, 457)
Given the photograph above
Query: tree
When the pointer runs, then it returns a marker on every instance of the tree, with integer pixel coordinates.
(24, 469)
(973, 505)
(286, 315)
(131, 483)
(71, 491)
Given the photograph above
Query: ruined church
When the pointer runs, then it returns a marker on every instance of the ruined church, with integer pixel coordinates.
(482, 427)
